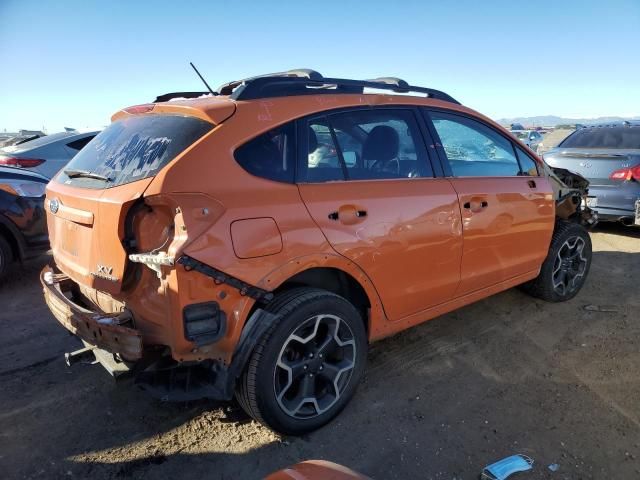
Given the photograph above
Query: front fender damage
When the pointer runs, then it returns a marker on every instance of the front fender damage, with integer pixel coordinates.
(570, 192)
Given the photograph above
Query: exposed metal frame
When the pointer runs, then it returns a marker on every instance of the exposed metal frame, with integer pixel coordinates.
(218, 276)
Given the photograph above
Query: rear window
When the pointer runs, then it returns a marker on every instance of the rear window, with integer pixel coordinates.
(132, 149)
(40, 141)
(604, 137)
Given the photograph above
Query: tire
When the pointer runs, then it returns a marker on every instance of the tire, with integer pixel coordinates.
(6, 257)
(317, 343)
(567, 265)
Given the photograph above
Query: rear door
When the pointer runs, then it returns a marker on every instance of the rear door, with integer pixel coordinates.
(507, 208)
(367, 181)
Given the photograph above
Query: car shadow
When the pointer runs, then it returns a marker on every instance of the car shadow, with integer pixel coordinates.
(616, 228)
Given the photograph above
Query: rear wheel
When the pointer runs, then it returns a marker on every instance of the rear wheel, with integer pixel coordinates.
(306, 367)
(566, 267)
(6, 256)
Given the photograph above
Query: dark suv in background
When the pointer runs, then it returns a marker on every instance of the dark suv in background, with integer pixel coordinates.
(607, 155)
(23, 226)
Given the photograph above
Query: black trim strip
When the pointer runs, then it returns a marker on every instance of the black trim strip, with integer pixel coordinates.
(281, 85)
(218, 276)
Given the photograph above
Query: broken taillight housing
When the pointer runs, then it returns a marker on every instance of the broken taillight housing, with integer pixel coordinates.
(165, 223)
(626, 174)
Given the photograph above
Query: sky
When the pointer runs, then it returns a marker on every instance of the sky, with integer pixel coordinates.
(73, 63)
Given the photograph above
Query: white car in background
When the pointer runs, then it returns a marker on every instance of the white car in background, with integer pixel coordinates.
(531, 138)
(46, 155)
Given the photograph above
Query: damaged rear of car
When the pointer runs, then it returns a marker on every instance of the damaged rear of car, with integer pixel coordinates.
(105, 229)
(255, 240)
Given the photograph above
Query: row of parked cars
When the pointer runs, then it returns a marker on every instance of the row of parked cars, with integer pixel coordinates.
(27, 163)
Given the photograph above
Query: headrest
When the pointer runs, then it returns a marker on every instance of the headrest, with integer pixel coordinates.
(382, 143)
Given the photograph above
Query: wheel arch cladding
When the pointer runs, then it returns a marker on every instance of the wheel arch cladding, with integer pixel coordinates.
(335, 281)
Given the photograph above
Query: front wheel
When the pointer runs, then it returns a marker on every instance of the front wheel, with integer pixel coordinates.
(306, 367)
(566, 267)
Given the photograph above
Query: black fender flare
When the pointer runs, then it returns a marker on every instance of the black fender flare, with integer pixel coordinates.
(255, 327)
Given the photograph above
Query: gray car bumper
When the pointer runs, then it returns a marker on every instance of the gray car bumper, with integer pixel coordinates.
(616, 202)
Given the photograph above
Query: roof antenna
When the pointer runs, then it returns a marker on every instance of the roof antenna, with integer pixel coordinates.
(203, 80)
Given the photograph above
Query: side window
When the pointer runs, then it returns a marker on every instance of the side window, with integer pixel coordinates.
(528, 166)
(270, 155)
(79, 144)
(366, 145)
(473, 149)
(323, 162)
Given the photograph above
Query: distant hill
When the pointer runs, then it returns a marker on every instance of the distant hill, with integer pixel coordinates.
(553, 120)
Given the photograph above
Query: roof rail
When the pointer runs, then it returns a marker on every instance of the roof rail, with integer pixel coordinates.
(310, 82)
(401, 85)
(227, 88)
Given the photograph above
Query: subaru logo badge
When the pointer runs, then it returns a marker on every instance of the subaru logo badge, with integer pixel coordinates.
(54, 205)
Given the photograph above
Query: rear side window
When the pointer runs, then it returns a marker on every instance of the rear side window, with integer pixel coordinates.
(604, 137)
(79, 144)
(134, 148)
(270, 155)
(473, 149)
(365, 145)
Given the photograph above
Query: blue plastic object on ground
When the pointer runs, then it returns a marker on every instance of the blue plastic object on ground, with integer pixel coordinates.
(502, 469)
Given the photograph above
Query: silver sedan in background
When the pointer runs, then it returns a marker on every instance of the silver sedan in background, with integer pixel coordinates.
(608, 155)
(46, 155)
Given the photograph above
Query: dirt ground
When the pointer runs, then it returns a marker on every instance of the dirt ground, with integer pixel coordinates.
(507, 375)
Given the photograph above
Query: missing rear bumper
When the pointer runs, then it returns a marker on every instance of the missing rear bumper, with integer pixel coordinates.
(108, 332)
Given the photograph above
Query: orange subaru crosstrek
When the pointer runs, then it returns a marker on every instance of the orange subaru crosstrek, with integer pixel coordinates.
(255, 239)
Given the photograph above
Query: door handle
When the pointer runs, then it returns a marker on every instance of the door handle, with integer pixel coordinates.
(475, 206)
(347, 214)
(531, 183)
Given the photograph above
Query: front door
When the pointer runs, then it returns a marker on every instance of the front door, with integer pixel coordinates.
(367, 181)
(507, 208)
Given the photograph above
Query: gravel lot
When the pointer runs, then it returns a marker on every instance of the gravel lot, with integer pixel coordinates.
(557, 382)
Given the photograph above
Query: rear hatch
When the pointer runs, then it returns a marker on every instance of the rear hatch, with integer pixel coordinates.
(88, 201)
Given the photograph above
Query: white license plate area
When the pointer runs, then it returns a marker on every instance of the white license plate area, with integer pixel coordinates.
(637, 222)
